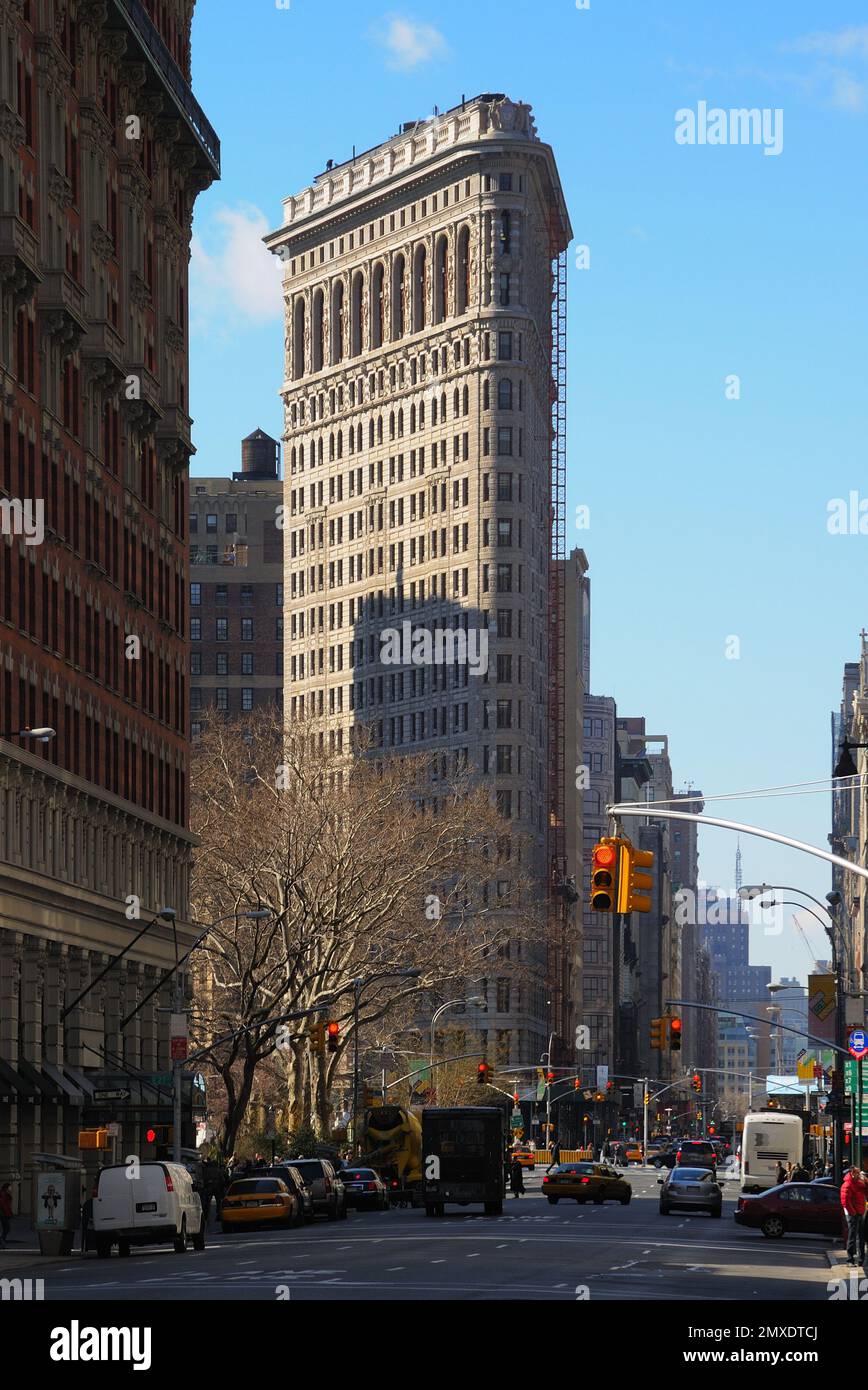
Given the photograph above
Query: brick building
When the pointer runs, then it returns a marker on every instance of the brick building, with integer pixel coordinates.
(103, 150)
(236, 585)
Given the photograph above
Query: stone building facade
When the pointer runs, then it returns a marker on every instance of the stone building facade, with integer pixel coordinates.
(103, 150)
(418, 379)
(236, 587)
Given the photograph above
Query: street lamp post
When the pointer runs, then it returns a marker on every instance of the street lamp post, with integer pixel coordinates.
(475, 999)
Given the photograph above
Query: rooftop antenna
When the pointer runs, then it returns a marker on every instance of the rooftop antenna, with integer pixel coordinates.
(737, 865)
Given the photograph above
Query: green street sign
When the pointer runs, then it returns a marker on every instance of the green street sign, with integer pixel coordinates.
(161, 1078)
(851, 1077)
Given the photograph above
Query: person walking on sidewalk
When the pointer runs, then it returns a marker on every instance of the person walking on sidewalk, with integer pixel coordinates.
(5, 1213)
(555, 1155)
(516, 1178)
(854, 1199)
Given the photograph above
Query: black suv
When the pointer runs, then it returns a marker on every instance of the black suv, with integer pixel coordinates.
(696, 1153)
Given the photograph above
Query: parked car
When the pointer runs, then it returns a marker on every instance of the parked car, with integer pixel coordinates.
(365, 1188)
(690, 1189)
(153, 1208)
(260, 1201)
(812, 1208)
(296, 1184)
(696, 1153)
(328, 1192)
(665, 1158)
(586, 1182)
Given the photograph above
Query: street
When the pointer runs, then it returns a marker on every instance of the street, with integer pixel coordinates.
(533, 1251)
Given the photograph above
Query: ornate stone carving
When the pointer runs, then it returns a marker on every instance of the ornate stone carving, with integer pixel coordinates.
(11, 125)
(92, 14)
(132, 76)
(112, 44)
(101, 242)
(59, 188)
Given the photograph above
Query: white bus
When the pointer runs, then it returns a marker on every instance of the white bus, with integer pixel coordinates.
(768, 1138)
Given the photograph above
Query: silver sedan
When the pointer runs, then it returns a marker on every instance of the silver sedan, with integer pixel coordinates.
(691, 1189)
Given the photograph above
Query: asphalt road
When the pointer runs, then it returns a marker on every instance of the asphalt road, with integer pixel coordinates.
(534, 1251)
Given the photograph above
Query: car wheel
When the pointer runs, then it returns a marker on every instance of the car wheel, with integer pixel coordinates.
(332, 1212)
(429, 1209)
(554, 1201)
(103, 1248)
(625, 1201)
(494, 1208)
(598, 1201)
(664, 1209)
(298, 1219)
(773, 1227)
(180, 1241)
(225, 1228)
(198, 1240)
(124, 1249)
(343, 1212)
(718, 1212)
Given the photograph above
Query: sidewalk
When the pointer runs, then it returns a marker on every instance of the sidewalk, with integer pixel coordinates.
(22, 1249)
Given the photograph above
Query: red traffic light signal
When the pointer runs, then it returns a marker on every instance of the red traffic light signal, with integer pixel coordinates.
(675, 1035)
(577, 1085)
(550, 1076)
(697, 1082)
(482, 1074)
(333, 1031)
(151, 1136)
(712, 1129)
(604, 863)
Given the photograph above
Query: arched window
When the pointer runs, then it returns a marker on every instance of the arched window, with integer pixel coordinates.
(400, 424)
(462, 271)
(358, 439)
(392, 424)
(398, 278)
(504, 394)
(456, 403)
(434, 410)
(356, 314)
(340, 444)
(337, 335)
(316, 347)
(298, 338)
(456, 355)
(331, 447)
(486, 395)
(444, 360)
(379, 429)
(422, 415)
(377, 306)
(412, 419)
(420, 276)
(441, 279)
(371, 433)
(443, 408)
(466, 400)
(319, 450)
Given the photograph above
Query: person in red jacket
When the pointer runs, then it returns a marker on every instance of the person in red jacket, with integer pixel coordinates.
(854, 1199)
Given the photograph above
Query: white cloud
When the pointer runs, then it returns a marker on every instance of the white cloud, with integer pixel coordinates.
(410, 44)
(847, 93)
(838, 45)
(234, 278)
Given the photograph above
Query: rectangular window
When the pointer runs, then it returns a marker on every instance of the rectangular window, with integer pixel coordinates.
(194, 523)
(504, 289)
(221, 593)
(195, 594)
(231, 523)
(504, 347)
(246, 697)
(222, 664)
(247, 629)
(195, 629)
(221, 697)
(247, 663)
(195, 663)
(222, 629)
(211, 523)
(504, 440)
(504, 487)
(278, 595)
(246, 595)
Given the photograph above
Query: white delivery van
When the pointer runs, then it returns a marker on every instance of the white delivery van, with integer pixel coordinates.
(146, 1204)
(769, 1137)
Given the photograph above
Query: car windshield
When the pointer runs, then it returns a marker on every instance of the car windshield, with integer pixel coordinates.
(690, 1175)
(245, 1186)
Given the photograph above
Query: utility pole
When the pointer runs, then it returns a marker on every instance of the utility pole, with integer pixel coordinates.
(646, 1098)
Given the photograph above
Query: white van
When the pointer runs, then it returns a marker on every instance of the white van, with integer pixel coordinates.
(769, 1138)
(146, 1204)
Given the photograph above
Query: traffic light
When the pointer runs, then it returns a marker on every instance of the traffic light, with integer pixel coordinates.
(675, 1035)
(610, 1086)
(334, 1033)
(586, 1119)
(658, 1034)
(577, 1085)
(697, 1082)
(604, 874)
(550, 1076)
(163, 1137)
(598, 1096)
(316, 1033)
(93, 1138)
(633, 880)
(482, 1074)
(712, 1129)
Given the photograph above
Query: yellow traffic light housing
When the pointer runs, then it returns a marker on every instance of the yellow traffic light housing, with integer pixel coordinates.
(316, 1033)
(658, 1034)
(605, 865)
(633, 881)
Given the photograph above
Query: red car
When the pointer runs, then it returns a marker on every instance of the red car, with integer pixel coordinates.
(801, 1208)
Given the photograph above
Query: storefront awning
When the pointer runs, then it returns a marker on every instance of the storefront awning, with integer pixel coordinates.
(14, 1087)
(47, 1088)
(71, 1092)
(78, 1078)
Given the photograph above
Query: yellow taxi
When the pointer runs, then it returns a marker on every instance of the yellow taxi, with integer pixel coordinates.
(632, 1151)
(586, 1182)
(525, 1156)
(260, 1202)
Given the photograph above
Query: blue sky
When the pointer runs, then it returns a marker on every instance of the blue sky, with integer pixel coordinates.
(708, 515)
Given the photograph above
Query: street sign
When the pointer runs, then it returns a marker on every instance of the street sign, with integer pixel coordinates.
(179, 1049)
(858, 1043)
(602, 1076)
(160, 1078)
(99, 1096)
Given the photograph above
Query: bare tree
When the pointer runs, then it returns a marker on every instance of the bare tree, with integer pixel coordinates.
(367, 866)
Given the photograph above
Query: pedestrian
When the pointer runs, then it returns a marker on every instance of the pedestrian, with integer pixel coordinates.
(788, 1173)
(516, 1178)
(781, 1174)
(555, 1156)
(5, 1213)
(854, 1199)
(800, 1174)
